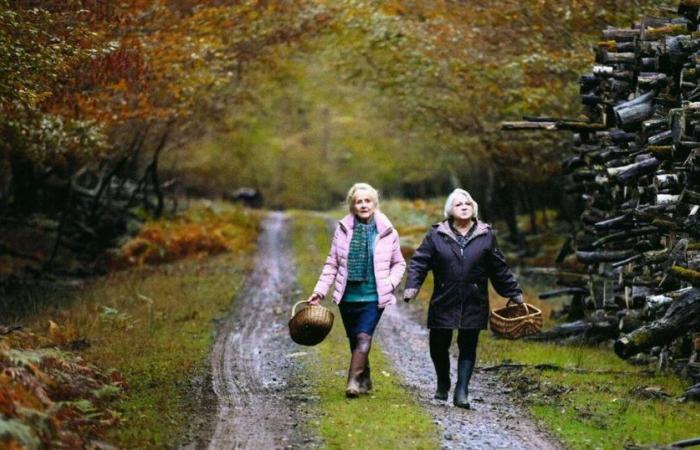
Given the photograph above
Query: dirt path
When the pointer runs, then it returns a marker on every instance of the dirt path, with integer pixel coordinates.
(258, 385)
(495, 422)
(262, 394)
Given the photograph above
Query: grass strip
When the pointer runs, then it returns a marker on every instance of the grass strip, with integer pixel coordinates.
(594, 410)
(155, 325)
(390, 417)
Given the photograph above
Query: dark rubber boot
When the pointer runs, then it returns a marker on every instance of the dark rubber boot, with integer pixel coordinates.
(442, 370)
(464, 373)
(443, 386)
(442, 392)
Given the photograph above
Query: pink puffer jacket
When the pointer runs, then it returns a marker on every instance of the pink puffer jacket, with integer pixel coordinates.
(389, 264)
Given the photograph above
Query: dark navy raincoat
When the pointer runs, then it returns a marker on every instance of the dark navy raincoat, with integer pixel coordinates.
(460, 295)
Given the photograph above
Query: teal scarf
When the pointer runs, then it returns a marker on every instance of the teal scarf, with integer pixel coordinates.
(361, 250)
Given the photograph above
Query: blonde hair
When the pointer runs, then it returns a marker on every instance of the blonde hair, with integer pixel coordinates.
(451, 200)
(373, 194)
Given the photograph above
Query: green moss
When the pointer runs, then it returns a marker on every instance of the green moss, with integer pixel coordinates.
(390, 417)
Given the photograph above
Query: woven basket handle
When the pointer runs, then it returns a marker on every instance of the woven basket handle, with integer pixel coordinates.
(294, 308)
(527, 310)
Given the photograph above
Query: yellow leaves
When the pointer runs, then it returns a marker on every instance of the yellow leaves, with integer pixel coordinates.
(56, 334)
(393, 9)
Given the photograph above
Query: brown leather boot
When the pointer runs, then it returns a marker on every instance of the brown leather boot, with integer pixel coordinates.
(358, 362)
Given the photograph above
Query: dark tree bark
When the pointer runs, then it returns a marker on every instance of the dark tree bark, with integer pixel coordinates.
(591, 331)
(682, 316)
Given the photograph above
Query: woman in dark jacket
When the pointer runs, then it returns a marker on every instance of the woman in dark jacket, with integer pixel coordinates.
(462, 253)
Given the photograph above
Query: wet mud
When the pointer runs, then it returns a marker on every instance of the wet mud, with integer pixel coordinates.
(261, 396)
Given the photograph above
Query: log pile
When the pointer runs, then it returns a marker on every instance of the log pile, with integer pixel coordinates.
(635, 166)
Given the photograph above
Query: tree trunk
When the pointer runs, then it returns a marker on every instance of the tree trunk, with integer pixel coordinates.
(560, 292)
(596, 331)
(621, 34)
(603, 256)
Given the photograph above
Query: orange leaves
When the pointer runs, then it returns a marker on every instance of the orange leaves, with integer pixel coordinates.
(8, 408)
(57, 335)
(125, 64)
(196, 234)
(161, 244)
(393, 9)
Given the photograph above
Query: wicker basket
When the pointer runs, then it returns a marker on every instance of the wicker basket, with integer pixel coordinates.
(311, 325)
(516, 321)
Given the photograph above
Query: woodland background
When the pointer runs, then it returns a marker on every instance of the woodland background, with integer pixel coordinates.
(111, 109)
(115, 117)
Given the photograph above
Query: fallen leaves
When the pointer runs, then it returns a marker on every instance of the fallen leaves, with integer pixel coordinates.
(49, 397)
(197, 233)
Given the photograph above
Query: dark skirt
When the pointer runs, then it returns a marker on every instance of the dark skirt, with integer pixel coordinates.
(360, 317)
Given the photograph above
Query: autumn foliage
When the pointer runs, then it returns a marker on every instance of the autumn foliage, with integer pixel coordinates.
(49, 396)
(201, 231)
(92, 93)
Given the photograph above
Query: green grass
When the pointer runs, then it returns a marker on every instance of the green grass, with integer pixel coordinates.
(593, 410)
(155, 326)
(390, 417)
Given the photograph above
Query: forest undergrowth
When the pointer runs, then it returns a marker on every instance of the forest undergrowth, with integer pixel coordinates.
(148, 328)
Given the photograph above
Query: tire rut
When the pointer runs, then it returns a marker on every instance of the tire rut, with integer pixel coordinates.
(495, 422)
(257, 383)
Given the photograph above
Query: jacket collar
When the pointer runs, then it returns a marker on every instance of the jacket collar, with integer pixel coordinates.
(384, 226)
(444, 228)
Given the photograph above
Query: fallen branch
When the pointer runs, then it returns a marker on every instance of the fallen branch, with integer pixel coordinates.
(556, 368)
(4, 331)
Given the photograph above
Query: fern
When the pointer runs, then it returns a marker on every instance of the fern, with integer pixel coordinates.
(12, 430)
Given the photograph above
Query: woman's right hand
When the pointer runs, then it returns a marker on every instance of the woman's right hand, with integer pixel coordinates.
(314, 299)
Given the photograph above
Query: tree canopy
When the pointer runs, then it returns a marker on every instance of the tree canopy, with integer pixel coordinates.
(295, 98)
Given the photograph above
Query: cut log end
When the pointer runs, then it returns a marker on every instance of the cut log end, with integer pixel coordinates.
(623, 349)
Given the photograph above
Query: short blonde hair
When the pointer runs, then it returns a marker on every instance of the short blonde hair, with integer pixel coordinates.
(451, 200)
(373, 194)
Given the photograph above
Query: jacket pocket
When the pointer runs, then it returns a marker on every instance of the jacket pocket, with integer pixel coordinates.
(443, 291)
(479, 294)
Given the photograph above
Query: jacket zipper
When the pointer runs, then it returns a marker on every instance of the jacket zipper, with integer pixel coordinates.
(461, 303)
(462, 300)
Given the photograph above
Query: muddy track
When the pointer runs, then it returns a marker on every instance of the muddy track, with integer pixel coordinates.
(257, 383)
(262, 394)
(494, 422)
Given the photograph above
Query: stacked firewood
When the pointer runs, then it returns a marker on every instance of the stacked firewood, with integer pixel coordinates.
(636, 168)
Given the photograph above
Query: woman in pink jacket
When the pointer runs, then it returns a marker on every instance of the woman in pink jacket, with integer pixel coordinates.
(366, 264)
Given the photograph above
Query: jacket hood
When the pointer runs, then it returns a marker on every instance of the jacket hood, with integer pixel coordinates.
(384, 225)
(444, 228)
